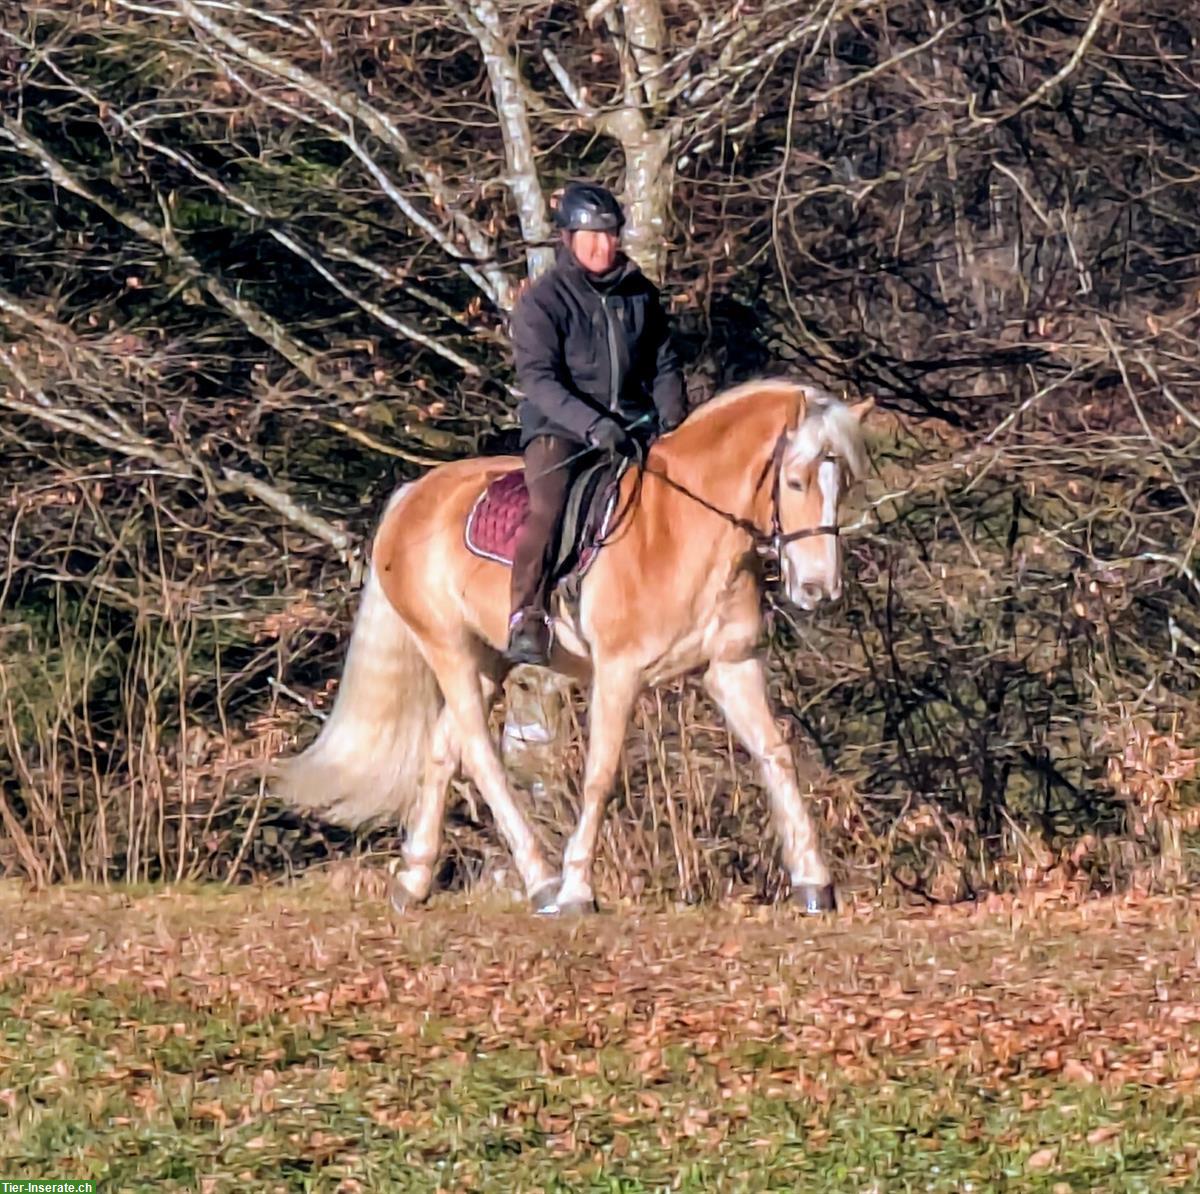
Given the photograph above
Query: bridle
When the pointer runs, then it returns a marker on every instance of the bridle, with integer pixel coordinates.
(767, 544)
(771, 544)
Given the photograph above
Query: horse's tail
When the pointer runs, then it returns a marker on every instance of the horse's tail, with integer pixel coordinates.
(368, 762)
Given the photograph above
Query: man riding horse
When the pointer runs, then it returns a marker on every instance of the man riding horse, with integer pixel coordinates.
(596, 367)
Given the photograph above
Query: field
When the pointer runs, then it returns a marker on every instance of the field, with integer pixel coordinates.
(301, 1039)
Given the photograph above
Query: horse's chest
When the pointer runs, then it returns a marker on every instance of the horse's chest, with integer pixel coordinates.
(729, 629)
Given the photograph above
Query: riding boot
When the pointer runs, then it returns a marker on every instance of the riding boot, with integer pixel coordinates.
(529, 637)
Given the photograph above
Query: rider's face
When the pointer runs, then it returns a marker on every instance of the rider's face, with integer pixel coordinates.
(595, 251)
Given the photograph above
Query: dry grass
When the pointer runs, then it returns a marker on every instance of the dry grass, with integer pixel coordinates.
(197, 1039)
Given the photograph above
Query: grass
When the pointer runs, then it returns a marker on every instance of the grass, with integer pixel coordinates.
(299, 1039)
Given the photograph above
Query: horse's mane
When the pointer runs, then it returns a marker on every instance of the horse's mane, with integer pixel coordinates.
(829, 427)
(762, 389)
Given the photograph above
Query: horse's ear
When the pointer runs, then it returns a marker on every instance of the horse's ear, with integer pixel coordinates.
(860, 410)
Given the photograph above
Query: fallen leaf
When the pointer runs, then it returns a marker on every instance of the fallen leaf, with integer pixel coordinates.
(1076, 1071)
(1042, 1159)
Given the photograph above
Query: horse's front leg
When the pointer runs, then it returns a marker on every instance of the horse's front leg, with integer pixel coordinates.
(614, 689)
(740, 688)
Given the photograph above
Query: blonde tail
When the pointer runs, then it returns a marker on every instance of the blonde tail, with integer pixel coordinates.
(369, 760)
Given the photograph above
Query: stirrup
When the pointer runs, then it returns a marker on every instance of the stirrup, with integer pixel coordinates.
(530, 637)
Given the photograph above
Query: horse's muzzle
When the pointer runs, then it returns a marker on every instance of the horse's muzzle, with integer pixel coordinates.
(810, 596)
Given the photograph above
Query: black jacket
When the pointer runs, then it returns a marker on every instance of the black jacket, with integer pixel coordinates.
(588, 347)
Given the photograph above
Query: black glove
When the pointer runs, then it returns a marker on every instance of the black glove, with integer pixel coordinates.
(608, 434)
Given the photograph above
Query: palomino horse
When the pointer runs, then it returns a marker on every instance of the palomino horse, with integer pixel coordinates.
(762, 467)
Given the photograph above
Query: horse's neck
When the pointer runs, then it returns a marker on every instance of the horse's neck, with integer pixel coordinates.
(723, 460)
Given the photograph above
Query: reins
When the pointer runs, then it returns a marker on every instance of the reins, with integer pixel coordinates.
(768, 544)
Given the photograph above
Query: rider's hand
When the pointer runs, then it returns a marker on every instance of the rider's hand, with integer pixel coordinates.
(608, 434)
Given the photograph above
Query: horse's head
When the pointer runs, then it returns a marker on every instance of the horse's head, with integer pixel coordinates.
(820, 457)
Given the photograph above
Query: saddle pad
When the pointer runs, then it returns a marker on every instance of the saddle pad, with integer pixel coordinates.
(499, 512)
(497, 516)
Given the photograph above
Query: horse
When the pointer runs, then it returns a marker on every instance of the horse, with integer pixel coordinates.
(760, 469)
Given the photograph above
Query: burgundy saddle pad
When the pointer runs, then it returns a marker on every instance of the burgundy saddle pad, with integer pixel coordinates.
(499, 512)
(497, 516)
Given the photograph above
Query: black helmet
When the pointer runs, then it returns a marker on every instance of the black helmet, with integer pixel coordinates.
(584, 206)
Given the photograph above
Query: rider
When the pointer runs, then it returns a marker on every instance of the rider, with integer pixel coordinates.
(596, 367)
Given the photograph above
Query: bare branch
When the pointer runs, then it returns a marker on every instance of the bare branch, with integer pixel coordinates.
(353, 108)
(570, 88)
(1189, 416)
(386, 184)
(396, 277)
(374, 309)
(1060, 76)
(597, 9)
(252, 316)
(287, 507)
(169, 460)
(646, 33)
(511, 99)
(728, 71)
(894, 60)
(377, 445)
(118, 436)
(287, 239)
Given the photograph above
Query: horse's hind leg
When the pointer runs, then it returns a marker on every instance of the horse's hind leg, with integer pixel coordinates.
(412, 884)
(463, 686)
(741, 690)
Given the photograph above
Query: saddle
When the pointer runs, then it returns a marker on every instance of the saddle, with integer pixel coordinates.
(500, 511)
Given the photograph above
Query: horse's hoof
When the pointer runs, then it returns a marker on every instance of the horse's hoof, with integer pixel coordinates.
(402, 900)
(544, 901)
(815, 898)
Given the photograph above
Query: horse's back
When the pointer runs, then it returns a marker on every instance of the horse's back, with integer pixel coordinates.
(420, 550)
(451, 485)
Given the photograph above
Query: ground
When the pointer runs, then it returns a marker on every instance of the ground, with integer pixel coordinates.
(299, 1038)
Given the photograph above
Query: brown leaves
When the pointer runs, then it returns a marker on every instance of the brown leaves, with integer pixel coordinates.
(1076, 1071)
(211, 1111)
(1041, 1160)
(725, 1007)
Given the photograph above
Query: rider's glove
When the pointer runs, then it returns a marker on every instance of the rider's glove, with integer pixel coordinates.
(609, 435)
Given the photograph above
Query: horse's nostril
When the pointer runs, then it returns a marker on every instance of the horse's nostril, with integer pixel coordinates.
(813, 594)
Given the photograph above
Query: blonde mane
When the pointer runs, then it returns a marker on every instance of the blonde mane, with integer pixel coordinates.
(762, 390)
(828, 427)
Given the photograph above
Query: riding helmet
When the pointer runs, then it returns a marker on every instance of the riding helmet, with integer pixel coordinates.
(586, 206)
